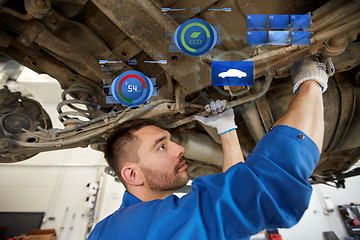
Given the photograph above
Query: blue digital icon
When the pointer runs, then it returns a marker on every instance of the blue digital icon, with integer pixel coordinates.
(279, 22)
(300, 21)
(300, 37)
(256, 21)
(232, 73)
(278, 37)
(256, 37)
(195, 37)
(131, 89)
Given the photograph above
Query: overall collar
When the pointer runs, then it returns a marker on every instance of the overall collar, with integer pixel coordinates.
(129, 200)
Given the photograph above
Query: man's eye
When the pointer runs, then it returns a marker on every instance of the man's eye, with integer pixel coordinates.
(162, 147)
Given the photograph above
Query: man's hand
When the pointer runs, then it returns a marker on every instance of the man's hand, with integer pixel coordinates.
(224, 122)
(313, 68)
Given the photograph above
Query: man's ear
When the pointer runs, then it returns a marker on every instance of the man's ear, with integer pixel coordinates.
(131, 175)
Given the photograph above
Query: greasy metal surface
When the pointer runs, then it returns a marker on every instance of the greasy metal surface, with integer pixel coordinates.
(346, 111)
(19, 115)
(201, 147)
(135, 18)
(74, 97)
(67, 38)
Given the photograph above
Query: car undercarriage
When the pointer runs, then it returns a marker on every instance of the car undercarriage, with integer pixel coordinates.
(67, 39)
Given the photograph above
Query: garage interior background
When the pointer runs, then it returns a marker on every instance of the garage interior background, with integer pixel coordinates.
(60, 183)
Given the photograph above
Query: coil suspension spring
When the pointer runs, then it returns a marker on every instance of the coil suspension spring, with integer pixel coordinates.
(83, 96)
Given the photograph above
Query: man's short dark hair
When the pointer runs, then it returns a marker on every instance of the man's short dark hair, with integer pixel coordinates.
(122, 145)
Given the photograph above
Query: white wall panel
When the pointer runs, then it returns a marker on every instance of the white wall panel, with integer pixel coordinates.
(52, 182)
(315, 221)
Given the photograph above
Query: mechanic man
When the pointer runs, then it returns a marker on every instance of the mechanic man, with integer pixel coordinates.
(270, 190)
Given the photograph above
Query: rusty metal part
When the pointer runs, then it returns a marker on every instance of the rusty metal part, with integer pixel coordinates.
(235, 91)
(82, 2)
(31, 142)
(5, 145)
(170, 86)
(336, 161)
(348, 59)
(2, 2)
(253, 122)
(41, 62)
(192, 78)
(197, 169)
(136, 29)
(257, 116)
(82, 96)
(79, 35)
(231, 104)
(346, 112)
(17, 116)
(344, 26)
(345, 61)
(201, 6)
(199, 147)
(79, 60)
(180, 100)
(135, 18)
(19, 113)
(335, 46)
(163, 109)
(5, 39)
(16, 14)
(37, 8)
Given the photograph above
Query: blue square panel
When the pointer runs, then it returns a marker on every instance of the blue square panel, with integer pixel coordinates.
(279, 22)
(300, 21)
(300, 37)
(278, 37)
(256, 37)
(232, 73)
(256, 21)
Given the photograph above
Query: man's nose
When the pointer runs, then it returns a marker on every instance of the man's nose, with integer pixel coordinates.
(179, 149)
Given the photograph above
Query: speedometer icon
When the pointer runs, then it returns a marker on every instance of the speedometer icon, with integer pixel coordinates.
(132, 88)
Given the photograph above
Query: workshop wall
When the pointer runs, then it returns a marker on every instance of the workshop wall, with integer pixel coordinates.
(55, 183)
(110, 197)
(316, 220)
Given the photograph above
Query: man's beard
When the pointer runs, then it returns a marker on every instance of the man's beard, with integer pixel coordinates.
(163, 181)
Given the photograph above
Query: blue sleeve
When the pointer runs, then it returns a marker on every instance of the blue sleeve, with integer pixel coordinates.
(269, 191)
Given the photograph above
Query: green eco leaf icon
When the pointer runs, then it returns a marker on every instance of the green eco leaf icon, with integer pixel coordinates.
(195, 34)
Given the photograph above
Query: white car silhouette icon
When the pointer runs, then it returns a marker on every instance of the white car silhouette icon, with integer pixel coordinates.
(233, 73)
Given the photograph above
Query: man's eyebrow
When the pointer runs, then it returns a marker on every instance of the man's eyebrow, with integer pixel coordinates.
(157, 141)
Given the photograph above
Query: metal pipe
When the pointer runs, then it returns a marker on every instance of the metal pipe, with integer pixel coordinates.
(325, 9)
(231, 104)
(351, 26)
(201, 147)
(335, 15)
(16, 14)
(253, 122)
(170, 85)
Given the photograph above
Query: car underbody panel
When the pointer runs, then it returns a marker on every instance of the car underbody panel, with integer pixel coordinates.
(66, 39)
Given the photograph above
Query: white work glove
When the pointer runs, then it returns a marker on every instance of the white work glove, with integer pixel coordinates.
(313, 68)
(224, 122)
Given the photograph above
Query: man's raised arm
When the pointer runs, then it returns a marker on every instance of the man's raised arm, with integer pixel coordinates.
(224, 122)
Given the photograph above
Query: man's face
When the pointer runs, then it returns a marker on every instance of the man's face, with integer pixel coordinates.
(161, 160)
